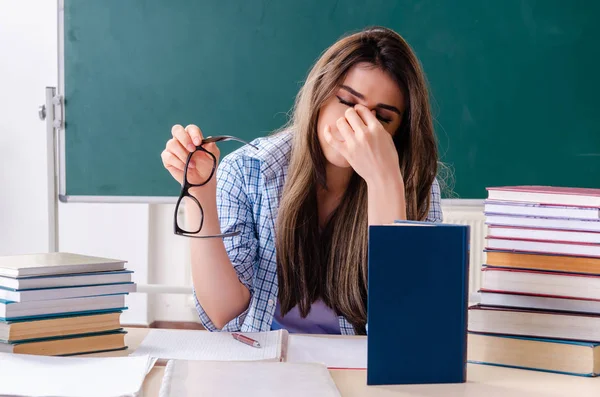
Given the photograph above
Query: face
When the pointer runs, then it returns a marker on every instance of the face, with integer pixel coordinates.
(369, 86)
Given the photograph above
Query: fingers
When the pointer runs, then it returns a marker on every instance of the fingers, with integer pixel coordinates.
(213, 148)
(171, 162)
(345, 130)
(201, 160)
(183, 137)
(175, 147)
(355, 121)
(173, 170)
(195, 134)
(368, 118)
(338, 145)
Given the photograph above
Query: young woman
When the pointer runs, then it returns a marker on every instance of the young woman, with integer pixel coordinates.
(359, 150)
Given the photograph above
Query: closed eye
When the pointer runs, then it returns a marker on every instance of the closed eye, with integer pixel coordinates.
(350, 104)
(346, 102)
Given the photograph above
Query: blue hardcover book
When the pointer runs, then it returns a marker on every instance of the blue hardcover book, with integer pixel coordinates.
(418, 284)
(11, 311)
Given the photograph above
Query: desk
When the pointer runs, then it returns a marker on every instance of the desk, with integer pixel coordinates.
(482, 380)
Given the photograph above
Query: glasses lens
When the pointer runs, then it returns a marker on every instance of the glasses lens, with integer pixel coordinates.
(189, 215)
(204, 168)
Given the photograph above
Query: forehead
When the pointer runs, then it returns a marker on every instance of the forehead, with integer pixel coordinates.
(376, 85)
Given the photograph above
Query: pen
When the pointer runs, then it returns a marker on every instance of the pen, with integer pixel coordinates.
(245, 339)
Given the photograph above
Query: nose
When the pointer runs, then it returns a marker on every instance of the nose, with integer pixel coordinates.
(373, 111)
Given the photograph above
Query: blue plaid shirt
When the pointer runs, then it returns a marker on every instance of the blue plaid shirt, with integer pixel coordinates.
(249, 186)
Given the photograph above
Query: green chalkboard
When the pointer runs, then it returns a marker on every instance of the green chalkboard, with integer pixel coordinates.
(515, 84)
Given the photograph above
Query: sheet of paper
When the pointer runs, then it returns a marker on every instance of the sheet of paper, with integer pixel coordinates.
(202, 345)
(249, 379)
(37, 376)
(348, 352)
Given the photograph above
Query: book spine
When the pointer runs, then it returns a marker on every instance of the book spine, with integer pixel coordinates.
(467, 271)
(165, 386)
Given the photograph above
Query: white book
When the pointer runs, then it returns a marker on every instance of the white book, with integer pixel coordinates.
(65, 292)
(17, 310)
(184, 378)
(55, 263)
(539, 302)
(40, 376)
(543, 223)
(544, 247)
(582, 286)
(66, 280)
(549, 195)
(544, 234)
(538, 210)
(341, 352)
(539, 324)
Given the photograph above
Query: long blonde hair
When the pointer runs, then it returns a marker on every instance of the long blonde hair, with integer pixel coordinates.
(332, 264)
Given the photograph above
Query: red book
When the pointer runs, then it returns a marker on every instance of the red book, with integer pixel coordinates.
(547, 195)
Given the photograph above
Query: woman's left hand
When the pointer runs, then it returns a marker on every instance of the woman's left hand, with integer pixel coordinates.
(367, 146)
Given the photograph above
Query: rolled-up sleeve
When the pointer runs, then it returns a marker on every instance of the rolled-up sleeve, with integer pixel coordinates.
(435, 205)
(235, 214)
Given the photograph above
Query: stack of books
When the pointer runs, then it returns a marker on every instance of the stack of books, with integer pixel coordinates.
(62, 303)
(540, 285)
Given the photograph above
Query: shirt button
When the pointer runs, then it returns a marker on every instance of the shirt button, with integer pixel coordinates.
(270, 302)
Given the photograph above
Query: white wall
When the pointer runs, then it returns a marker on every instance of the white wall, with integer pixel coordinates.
(169, 265)
(28, 64)
(29, 59)
(28, 48)
(114, 231)
(143, 235)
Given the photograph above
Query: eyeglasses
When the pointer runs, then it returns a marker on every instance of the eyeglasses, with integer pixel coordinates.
(189, 201)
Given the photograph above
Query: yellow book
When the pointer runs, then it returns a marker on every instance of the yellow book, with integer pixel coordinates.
(550, 355)
(78, 344)
(561, 263)
(15, 331)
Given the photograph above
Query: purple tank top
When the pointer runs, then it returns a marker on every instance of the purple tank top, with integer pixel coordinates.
(320, 320)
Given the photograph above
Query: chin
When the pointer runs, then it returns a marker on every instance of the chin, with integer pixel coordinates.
(332, 156)
(337, 160)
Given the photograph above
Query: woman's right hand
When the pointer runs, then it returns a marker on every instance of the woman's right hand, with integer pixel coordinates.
(183, 142)
(217, 286)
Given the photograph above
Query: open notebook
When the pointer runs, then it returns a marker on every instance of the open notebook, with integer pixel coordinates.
(216, 346)
(333, 352)
(265, 379)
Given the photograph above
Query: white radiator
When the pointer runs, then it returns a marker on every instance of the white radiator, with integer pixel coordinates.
(472, 216)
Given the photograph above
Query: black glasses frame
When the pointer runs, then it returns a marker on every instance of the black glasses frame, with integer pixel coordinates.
(186, 186)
